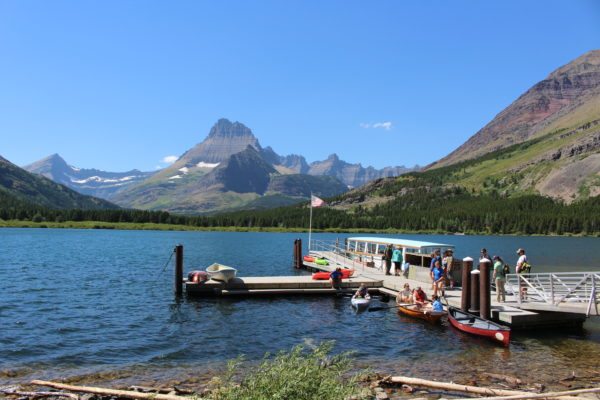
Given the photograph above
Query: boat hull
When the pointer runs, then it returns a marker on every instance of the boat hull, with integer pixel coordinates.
(475, 325)
(360, 303)
(424, 314)
(220, 272)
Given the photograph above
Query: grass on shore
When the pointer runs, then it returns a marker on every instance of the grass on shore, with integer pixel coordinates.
(172, 227)
(297, 374)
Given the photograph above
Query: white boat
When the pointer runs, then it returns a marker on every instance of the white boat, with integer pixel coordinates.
(361, 303)
(221, 272)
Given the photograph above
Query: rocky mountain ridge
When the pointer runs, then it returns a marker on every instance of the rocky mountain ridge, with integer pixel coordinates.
(566, 97)
(92, 182)
(19, 185)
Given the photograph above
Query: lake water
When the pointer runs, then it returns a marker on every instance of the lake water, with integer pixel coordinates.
(98, 304)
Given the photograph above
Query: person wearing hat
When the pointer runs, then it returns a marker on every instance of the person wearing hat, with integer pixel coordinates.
(522, 268)
(447, 262)
(499, 278)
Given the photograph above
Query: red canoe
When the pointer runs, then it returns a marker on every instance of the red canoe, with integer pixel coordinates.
(346, 273)
(475, 325)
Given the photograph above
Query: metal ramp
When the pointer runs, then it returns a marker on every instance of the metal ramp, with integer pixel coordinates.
(576, 292)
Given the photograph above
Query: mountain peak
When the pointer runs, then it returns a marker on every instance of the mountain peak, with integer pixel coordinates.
(224, 128)
(333, 157)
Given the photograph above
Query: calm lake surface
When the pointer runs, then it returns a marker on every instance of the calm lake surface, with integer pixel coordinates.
(98, 303)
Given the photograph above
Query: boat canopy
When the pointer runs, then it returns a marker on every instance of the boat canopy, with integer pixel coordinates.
(376, 245)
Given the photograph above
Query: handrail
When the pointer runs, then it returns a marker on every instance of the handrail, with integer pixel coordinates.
(554, 288)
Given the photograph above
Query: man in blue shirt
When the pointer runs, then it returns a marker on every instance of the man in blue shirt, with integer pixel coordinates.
(336, 278)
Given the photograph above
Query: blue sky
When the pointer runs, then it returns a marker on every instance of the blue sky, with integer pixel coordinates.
(118, 85)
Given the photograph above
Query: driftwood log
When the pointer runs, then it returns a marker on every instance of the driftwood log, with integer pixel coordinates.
(109, 392)
(34, 395)
(454, 387)
(547, 395)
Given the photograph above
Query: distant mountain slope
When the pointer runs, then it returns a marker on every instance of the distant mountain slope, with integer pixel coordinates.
(567, 98)
(352, 174)
(18, 184)
(92, 182)
(243, 181)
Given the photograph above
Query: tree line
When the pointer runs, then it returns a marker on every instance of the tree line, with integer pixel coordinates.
(421, 209)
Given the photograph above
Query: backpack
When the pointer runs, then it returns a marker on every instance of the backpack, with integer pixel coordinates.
(525, 268)
(506, 269)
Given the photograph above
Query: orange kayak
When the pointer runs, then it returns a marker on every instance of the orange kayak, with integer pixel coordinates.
(346, 273)
(309, 258)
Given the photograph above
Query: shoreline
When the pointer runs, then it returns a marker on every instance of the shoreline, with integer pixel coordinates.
(127, 226)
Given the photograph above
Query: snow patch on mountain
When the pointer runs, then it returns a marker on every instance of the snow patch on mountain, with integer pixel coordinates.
(203, 164)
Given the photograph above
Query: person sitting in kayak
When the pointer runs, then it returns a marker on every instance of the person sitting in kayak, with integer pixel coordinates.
(419, 297)
(362, 292)
(336, 278)
(405, 295)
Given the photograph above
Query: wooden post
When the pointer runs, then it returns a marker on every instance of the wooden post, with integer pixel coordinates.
(484, 288)
(295, 256)
(298, 253)
(465, 295)
(474, 291)
(179, 270)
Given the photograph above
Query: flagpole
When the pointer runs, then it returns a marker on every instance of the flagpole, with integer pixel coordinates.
(310, 223)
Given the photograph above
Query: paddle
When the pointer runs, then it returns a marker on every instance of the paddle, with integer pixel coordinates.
(386, 308)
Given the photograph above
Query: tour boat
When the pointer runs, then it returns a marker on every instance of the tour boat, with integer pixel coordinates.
(422, 312)
(346, 273)
(361, 303)
(475, 325)
(221, 272)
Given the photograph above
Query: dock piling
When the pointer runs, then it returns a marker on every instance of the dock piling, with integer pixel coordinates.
(179, 270)
(484, 288)
(465, 295)
(474, 291)
(298, 253)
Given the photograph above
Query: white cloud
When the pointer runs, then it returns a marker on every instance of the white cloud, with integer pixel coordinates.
(387, 125)
(169, 159)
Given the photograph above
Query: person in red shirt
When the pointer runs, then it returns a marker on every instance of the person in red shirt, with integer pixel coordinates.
(419, 297)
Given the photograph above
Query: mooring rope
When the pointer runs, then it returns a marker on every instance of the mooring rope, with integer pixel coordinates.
(168, 261)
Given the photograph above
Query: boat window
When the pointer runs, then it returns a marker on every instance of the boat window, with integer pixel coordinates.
(372, 248)
(361, 247)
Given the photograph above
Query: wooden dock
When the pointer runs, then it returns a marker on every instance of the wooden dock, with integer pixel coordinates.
(507, 313)
(277, 285)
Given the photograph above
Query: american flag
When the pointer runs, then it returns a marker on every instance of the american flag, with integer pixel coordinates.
(316, 202)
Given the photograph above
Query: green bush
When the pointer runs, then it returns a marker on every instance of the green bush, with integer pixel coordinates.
(298, 374)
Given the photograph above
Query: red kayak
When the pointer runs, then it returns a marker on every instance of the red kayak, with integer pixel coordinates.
(346, 273)
(309, 258)
(475, 325)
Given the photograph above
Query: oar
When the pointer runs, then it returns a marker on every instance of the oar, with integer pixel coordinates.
(386, 308)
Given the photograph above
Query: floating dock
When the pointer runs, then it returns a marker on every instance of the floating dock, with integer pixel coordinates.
(277, 285)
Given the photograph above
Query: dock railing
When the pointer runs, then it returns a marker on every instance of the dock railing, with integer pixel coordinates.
(556, 288)
(336, 252)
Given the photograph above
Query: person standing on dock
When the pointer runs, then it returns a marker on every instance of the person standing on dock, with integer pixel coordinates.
(435, 256)
(499, 277)
(387, 256)
(336, 278)
(438, 276)
(447, 262)
(523, 269)
(397, 260)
